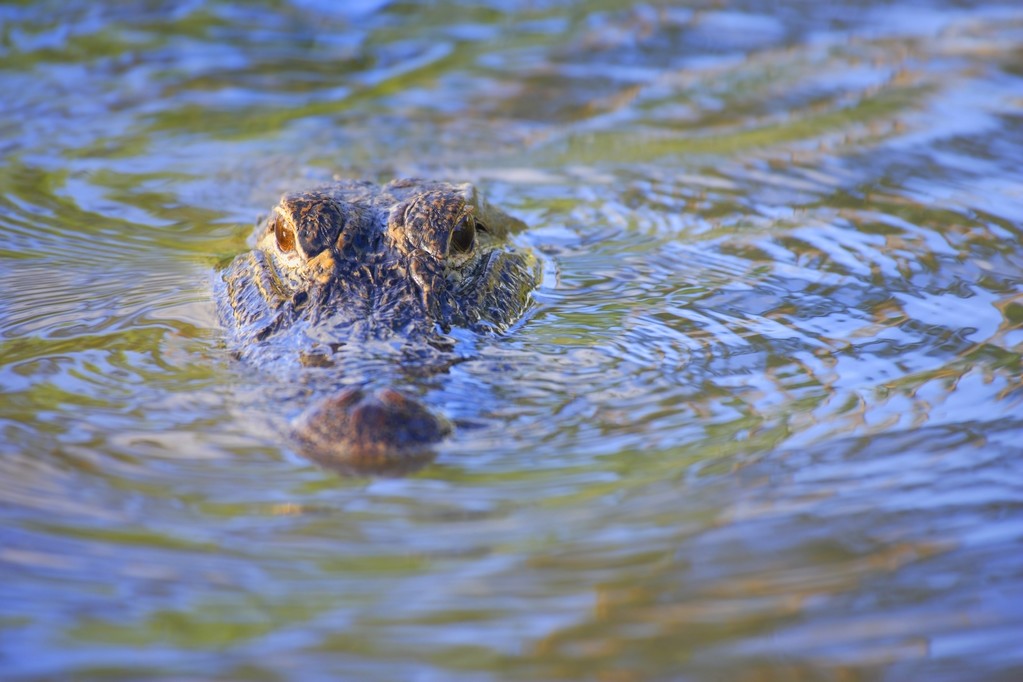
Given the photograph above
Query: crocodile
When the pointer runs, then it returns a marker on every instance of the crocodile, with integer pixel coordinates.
(346, 276)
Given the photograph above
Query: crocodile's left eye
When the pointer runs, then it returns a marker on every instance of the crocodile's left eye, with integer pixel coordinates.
(464, 235)
(285, 237)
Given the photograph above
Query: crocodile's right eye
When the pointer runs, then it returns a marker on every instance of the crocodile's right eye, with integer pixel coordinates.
(464, 235)
(285, 237)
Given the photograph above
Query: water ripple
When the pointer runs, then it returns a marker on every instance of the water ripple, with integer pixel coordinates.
(763, 419)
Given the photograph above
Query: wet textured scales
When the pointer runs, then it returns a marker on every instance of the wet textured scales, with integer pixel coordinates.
(350, 263)
(756, 412)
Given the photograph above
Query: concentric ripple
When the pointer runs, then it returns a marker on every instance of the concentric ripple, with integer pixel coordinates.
(762, 421)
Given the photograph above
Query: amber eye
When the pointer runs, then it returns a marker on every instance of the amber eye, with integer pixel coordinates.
(464, 235)
(285, 237)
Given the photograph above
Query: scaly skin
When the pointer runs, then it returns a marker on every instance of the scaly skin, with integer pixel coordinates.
(353, 263)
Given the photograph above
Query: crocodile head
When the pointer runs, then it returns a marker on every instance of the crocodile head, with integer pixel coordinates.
(355, 264)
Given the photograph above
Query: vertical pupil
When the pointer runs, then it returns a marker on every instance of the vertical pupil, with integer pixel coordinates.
(285, 240)
(465, 233)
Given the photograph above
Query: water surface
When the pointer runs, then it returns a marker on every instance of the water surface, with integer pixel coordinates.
(763, 421)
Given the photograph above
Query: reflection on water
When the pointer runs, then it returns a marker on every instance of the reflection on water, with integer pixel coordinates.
(763, 423)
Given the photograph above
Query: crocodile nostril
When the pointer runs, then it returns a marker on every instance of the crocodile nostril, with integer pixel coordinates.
(370, 432)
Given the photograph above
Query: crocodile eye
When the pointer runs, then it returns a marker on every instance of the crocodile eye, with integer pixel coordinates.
(285, 237)
(464, 235)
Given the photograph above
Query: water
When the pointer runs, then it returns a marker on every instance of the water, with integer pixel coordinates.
(764, 420)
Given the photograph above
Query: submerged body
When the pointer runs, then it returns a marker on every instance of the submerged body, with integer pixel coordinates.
(354, 263)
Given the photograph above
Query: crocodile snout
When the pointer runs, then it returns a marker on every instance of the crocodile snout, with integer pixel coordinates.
(370, 432)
